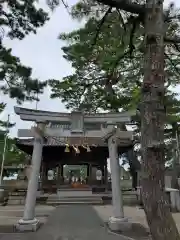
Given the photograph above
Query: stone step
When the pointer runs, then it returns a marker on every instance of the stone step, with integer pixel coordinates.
(16, 197)
(70, 199)
(64, 189)
(20, 200)
(73, 203)
(16, 201)
(56, 200)
(74, 197)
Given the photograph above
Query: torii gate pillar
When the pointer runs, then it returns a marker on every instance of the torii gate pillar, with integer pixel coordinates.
(29, 222)
(117, 221)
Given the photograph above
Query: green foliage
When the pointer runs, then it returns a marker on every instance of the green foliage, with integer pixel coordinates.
(108, 59)
(4, 124)
(53, 3)
(13, 154)
(15, 79)
(107, 75)
(17, 19)
(20, 17)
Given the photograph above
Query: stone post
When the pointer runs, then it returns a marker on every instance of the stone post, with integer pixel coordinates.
(117, 221)
(29, 222)
(115, 178)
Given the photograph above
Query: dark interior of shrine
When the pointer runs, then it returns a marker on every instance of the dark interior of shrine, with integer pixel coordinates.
(57, 153)
(56, 156)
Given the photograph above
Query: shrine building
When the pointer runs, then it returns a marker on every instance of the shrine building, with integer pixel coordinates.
(73, 139)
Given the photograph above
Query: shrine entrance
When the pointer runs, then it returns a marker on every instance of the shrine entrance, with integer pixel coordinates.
(71, 149)
(75, 175)
(62, 169)
(70, 176)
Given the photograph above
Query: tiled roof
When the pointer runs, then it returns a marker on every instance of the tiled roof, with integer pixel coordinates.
(58, 141)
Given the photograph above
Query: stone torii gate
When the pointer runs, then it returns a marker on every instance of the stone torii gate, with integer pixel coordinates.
(117, 221)
(77, 121)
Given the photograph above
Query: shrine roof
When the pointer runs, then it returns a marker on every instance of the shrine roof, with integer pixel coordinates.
(79, 141)
(59, 141)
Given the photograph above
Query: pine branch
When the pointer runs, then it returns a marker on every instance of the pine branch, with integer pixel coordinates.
(126, 5)
(134, 8)
(121, 56)
(121, 19)
(172, 63)
(135, 21)
(173, 40)
(100, 25)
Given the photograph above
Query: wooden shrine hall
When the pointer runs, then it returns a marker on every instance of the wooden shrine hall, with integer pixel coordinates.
(72, 139)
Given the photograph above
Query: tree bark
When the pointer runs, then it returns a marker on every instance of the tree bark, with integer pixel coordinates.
(159, 217)
(175, 171)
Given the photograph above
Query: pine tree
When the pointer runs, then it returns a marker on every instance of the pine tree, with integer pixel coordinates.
(93, 67)
(17, 19)
(156, 28)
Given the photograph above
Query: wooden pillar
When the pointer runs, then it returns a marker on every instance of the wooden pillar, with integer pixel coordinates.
(103, 174)
(61, 173)
(106, 175)
(88, 170)
(57, 177)
(44, 172)
(44, 179)
(90, 174)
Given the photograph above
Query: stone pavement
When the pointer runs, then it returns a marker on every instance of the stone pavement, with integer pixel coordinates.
(9, 215)
(135, 214)
(69, 222)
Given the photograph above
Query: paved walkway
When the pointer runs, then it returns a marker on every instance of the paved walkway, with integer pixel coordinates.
(71, 222)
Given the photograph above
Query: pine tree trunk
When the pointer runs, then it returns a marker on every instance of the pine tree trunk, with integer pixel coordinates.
(175, 172)
(159, 217)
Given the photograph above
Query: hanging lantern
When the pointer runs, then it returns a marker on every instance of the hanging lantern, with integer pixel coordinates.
(67, 148)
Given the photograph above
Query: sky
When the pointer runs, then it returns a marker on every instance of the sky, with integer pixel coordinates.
(42, 52)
